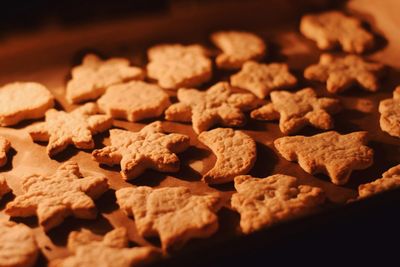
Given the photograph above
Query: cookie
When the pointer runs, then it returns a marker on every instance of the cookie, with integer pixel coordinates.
(390, 180)
(22, 101)
(297, 110)
(93, 76)
(330, 153)
(390, 114)
(333, 28)
(175, 65)
(261, 79)
(217, 105)
(111, 250)
(236, 154)
(266, 201)
(18, 247)
(134, 101)
(237, 48)
(54, 197)
(175, 214)
(341, 73)
(4, 189)
(74, 128)
(5, 146)
(149, 148)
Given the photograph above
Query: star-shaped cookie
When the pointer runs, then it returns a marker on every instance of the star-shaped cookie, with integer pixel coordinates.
(5, 145)
(149, 148)
(173, 213)
(390, 180)
(54, 197)
(296, 110)
(217, 105)
(62, 129)
(390, 114)
(340, 73)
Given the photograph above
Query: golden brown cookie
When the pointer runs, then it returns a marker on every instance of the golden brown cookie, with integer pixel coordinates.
(390, 180)
(390, 114)
(4, 189)
(5, 145)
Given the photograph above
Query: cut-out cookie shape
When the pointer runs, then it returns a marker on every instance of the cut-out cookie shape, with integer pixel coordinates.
(236, 154)
(175, 65)
(237, 48)
(90, 80)
(5, 145)
(217, 105)
(134, 101)
(77, 127)
(329, 29)
(109, 251)
(297, 110)
(390, 180)
(173, 213)
(266, 201)
(149, 148)
(340, 73)
(4, 189)
(54, 197)
(261, 79)
(390, 114)
(330, 153)
(22, 101)
(18, 247)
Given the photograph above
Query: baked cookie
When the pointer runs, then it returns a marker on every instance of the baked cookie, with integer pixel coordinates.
(134, 101)
(390, 180)
(236, 154)
(149, 148)
(297, 110)
(93, 76)
(390, 114)
(340, 73)
(22, 101)
(18, 247)
(217, 105)
(261, 79)
(330, 153)
(237, 48)
(333, 28)
(175, 65)
(4, 189)
(266, 201)
(5, 145)
(173, 213)
(74, 128)
(54, 197)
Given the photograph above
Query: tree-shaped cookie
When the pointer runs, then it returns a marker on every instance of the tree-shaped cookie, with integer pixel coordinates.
(261, 79)
(217, 105)
(173, 213)
(340, 73)
(5, 145)
(262, 202)
(90, 80)
(62, 129)
(329, 29)
(4, 189)
(54, 197)
(390, 114)
(390, 180)
(296, 110)
(149, 148)
(111, 250)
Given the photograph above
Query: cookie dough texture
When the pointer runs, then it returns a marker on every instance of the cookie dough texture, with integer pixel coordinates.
(22, 101)
(5, 146)
(390, 180)
(390, 114)
(4, 189)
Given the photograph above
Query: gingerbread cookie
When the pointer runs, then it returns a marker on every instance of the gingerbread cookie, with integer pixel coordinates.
(173, 213)
(4, 189)
(266, 201)
(330, 153)
(261, 79)
(54, 197)
(390, 114)
(235, 151)
(340, 73)
(217, 105)
(390, 180)
(18, 247)
(149, 148)
(77, 127)
(90, 80)
(237, 48)
(5, 145)
(22, 101)
(296, 110)
(175, 65)
(329, 29)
